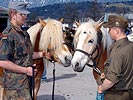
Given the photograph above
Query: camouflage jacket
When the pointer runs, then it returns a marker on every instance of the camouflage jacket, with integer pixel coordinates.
(16, 47)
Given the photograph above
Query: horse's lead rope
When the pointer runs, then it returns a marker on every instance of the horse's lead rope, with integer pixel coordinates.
(33, 82)
(94, 66)
(53, 79)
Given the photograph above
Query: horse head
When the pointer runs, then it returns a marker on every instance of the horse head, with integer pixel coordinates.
(51, 40)
(86, 44)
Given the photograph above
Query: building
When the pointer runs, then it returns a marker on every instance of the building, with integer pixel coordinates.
(4, 19)
(129, 16)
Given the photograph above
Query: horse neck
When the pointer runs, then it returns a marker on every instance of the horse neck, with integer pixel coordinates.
(36, 46)
(102, 56)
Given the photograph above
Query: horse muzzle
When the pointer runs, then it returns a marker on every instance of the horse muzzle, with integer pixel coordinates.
(77, 67)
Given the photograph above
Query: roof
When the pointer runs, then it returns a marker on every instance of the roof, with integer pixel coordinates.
(3, 10)
(129, 16)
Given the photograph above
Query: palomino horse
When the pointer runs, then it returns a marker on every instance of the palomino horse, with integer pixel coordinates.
(48, 36)
(91, 47)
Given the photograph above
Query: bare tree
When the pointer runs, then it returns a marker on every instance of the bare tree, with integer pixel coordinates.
(70, 13)
(95, 10)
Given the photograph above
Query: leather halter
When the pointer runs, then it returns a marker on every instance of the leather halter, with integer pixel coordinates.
(94, 66)
(84, 52)
(89, 55)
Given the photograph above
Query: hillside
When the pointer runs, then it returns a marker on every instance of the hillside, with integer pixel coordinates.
(75, 11)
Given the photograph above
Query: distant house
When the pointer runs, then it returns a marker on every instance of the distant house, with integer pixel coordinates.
(4, 19)
(129, 16)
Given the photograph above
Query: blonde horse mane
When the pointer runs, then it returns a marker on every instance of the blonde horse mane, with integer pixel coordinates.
(33, 30)
(90, 25)
(51, 36)
(106, 39)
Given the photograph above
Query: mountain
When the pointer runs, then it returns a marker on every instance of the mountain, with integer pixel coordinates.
(37, 3)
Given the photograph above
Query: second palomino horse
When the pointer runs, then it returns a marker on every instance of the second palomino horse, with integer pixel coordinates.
(92, 44)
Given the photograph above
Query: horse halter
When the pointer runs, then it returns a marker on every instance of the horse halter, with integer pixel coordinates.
(94, 66)
(89, 55)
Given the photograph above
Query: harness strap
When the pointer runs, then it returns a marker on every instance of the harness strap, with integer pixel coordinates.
(94, 66)
(84, 52)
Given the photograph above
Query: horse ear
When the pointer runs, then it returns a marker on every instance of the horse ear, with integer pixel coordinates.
(98, 25)
(77, 23)
(61, 20)
(42, 22)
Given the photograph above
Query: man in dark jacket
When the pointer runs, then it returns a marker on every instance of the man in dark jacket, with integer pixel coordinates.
(118, 73)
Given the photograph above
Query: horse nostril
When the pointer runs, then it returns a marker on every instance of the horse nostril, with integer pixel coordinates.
(77, 64)
(67, 60)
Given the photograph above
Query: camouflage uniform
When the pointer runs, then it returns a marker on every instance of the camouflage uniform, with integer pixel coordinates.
(17, 48)
(119, 70)
(1, 75)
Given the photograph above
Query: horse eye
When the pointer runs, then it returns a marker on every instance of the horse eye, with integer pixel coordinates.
(85, 32)
(91, 41)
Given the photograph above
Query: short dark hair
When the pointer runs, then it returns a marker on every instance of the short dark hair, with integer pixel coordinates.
(11, 11)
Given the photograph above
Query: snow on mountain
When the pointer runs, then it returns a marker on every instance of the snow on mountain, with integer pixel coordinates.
(36, 3)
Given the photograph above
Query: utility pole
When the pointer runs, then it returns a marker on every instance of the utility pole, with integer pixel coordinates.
(106, 12)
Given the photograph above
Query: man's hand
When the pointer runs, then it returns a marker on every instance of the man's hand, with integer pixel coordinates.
(46, 55)
(102, 76)
(105, 85)
(29, 71)
(99, 90)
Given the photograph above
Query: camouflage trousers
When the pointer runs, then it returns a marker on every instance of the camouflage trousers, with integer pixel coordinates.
(1, 86)
(1, 92)
(17, 94)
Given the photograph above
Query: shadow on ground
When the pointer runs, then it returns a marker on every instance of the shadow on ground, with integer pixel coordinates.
(49, 97)
(63, 76)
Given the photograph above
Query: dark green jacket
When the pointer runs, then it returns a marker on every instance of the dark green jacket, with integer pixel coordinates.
(119, 65)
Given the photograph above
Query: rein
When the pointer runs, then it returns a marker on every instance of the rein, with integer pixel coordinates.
(52, 60)
(95, 64)
(32, 83)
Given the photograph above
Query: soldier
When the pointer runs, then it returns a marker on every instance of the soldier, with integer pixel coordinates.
(16, 54)
(118, 73)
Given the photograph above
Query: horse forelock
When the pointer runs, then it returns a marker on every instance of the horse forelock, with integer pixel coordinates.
(51, 36)
(89, 28)
(33, 30)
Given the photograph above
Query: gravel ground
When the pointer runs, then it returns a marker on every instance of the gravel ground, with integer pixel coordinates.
(69, 85)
